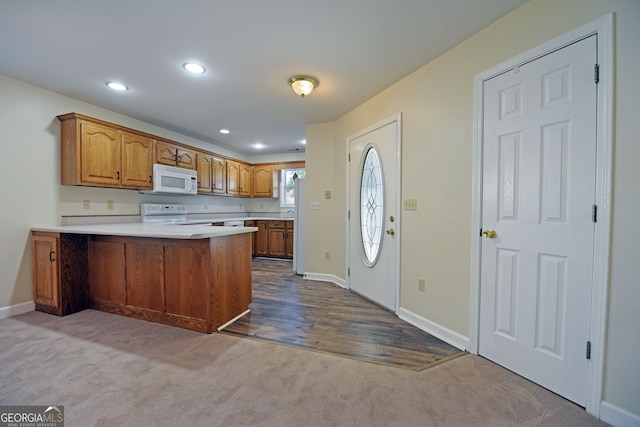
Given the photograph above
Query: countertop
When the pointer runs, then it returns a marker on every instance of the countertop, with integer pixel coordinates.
(145, 229)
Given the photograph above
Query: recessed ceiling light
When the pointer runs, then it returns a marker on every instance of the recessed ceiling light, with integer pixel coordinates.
(117, 86)
(194, 68)
(225, 131)
(303, 142)
(258, 146)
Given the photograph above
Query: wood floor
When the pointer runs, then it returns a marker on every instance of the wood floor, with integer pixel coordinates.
(320, 316)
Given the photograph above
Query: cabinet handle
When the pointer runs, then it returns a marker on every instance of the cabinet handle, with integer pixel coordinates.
(179, 159)
(118, 175)
(175, 157)
(150, 179)
(52, 256)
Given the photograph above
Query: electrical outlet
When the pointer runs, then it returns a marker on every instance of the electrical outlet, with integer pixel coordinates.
(421, 285)
(86, 204)
(327, 255)
(109, 205)
(314, 205)
(410, 204)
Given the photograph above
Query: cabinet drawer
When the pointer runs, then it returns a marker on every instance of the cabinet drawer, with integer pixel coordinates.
(288, 225)
(276, 224)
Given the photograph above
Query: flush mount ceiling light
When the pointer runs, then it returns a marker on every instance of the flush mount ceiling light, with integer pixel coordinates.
(117, 86)
(194, 68)
(225, 131)
(303, 85)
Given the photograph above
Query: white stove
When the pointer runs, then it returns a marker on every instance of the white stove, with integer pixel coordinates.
(167, 213)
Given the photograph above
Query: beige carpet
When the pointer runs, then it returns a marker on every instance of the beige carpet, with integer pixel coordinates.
(109, 370)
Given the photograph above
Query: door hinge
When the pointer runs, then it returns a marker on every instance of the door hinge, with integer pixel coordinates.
(348, 272)
(594, 213)
(596, 73)
(349, 157)
(348, 214)
(588, 350)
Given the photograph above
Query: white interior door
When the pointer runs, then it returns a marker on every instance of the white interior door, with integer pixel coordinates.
(373, 213)
(538, 196)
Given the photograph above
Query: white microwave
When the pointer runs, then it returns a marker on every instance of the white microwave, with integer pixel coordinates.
(173, 180)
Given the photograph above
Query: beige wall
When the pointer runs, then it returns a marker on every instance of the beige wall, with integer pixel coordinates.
(436, 103)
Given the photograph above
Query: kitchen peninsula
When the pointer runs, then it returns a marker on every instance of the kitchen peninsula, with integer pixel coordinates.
(192, 276)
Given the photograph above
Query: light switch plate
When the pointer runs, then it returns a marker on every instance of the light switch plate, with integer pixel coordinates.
(314, 205)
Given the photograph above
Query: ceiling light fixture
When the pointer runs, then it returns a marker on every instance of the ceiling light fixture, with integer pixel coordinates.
(117, 86)
(194, 68)
(303, 85)
(258, 146)
(225, 131)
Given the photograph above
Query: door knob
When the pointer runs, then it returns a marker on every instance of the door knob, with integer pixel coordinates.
(391, 232)
(489, 233)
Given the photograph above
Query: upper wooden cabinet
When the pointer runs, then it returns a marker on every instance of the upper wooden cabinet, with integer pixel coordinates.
(170, 154)
(262, 181)
(96, 153)
(238, 178)
(212, 173)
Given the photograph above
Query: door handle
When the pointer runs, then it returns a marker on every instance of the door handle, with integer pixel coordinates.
(391, 232)
(489, 233)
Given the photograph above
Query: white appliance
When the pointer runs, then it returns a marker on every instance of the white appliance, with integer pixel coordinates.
(173, 180)
(299, 226)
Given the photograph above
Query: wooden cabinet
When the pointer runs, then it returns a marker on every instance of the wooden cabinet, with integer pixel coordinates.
(59, 272)
(170, 154)
(102, 154)
(276, 239)
(262, 181)
(238, 178)
(212, 174)
(273, 239)
(96, 153)
(195, 284)
(288, 239)
(262, 238)
(245, 180)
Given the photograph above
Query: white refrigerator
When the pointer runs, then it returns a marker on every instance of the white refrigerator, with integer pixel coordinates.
(299, 226)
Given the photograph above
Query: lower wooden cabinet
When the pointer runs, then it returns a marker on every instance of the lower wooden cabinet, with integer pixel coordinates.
(274, 238)
(59, 272)
(194, 284)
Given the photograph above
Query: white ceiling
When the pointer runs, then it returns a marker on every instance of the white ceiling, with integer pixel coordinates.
(250, 48)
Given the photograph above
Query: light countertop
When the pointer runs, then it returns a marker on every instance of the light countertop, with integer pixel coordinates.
(145, 229)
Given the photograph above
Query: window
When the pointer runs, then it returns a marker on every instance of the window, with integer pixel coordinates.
(287, 186)
(371, 206)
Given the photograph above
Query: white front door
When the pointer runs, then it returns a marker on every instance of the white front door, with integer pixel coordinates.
(373, 213)
(538, 195)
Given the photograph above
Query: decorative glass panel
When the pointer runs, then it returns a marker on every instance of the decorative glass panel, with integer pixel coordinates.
(371, 206)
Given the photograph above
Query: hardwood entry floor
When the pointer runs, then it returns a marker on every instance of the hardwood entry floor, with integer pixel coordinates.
(289, 310)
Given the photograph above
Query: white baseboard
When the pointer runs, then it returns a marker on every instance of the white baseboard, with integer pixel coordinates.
(326, 278)
(618, 417)
(440, 332)
(14, 310)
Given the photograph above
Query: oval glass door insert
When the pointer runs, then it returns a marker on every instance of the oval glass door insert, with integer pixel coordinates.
(371, 206)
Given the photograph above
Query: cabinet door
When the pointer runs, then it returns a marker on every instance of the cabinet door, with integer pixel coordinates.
(46, 285)
(262, 239)
(262, 181)
(245, 180)
(165, 153)
(276, 242)
(288, 239)
(204, 169)
(218, 175)
(185, 158)
(106, 271)
(137, 163)
(100, 155)
(185, 267)
(233, 178)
